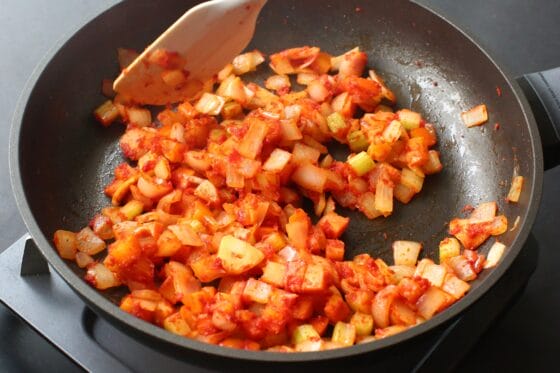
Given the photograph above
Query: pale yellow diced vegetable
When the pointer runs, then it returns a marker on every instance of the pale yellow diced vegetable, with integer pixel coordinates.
(277, 82)
(448, 248)
(210, 104)
(247, 62)
(306, 78)
(66, 244)
(238, 256)
(88, 242)
(176, 325)
(277, 160)
(402, 271)
(274, 274)
(494, 254)
(383, 197)
(186, 234)
(101, 277)
(412, 180)
(83, 259)
(138, 116)
(363, 323)
(435, 274)
(232, 110)
(357, 141)
(225, 72)
(393, 131)
(455, 286)
(515, 189)
(304, 333)
(421, 266)
(337, 60)
(336, 122)
(409, 119)
(106, 113)
(132, 209)
(406, 252)
(476, 116)
(361, 163)
(344, 333)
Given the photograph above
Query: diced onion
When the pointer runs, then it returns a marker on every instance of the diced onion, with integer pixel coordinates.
(393, 131)
(306, 78)
(435, 274)
(344, 334)
(278, 82)
(494, 254)
(277, 160)
(310, 177)
(138, 116)
(107, 113)
(448, 248)
(381, 306)
(174, 78)
(232, 87)
(88, 242)
(433, 301)
(247, 62)
(210, 104)
(66, 244)
(515, 189)
(476, 116)
(83, 259)
(101, 277)
(317, 91)
(383, 197)
(305, 154)
(406, 252)
(186, 234)
(455, 286)
(153, 188)
(238, 256)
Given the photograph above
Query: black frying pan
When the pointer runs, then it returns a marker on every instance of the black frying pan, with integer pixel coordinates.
(61, 158)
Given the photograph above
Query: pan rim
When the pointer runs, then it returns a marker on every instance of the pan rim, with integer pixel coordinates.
(103, 306)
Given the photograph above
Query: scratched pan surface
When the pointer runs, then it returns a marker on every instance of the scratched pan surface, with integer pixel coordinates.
(61, 158)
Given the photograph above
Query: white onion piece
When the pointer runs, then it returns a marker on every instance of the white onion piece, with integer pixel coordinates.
(101, 277)
(88, 242)
(83, 259)
(494, 254)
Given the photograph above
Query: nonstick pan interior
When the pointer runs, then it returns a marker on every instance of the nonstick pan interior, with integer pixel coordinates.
(65, 158)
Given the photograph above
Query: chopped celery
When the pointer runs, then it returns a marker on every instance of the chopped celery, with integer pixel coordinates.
(357, 141)
(361, 163)
(304, 333)
(336, 122)
(409, 119)
(344, 333)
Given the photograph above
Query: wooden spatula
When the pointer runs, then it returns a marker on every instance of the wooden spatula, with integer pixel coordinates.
(191, 51)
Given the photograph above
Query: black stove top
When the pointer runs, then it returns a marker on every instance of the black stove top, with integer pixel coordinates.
(523, 36)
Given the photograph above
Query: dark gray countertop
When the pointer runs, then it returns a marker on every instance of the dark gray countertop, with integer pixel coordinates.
(523, 36)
